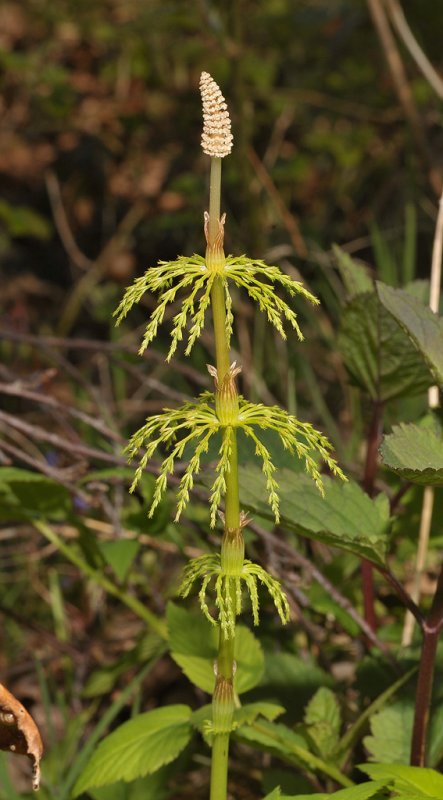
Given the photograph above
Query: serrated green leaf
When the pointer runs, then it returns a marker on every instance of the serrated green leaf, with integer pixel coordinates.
(378, 355)
(138, 747)
(194, 645)
(415, 453)
(345, 517)
(407, 779)
(424, 328)
(354, 274)
(390, 738)
(323, 721)
(353, 733)
(391, 732)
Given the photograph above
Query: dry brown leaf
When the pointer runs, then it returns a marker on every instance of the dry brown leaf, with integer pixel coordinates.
(19, 733)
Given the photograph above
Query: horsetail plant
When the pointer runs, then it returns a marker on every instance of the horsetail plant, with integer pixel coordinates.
(202, 282)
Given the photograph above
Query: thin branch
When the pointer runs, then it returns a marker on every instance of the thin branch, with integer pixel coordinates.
(289, 220)
(67, 343)
(61, 223)
(402, 87)
(398, 18)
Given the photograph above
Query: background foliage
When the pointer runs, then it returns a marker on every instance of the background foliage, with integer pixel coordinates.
(102, 175)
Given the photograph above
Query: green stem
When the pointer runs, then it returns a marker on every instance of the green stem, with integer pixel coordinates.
(214, 197)
(225, 657)
(219, 321)
(219, 771)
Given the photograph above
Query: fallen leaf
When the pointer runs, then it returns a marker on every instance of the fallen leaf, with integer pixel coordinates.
(19, 733)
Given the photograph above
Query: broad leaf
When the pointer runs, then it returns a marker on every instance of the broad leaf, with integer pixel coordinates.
(345, 517)
(415, 453)
(424, 328)
(391, 731)
(151, 787)
(323, 721)
(390, 738)
(407, 779)
(24, 493)
(377, 353)
(364, 791)
(194, 644)
(138, 747)
(354, 274)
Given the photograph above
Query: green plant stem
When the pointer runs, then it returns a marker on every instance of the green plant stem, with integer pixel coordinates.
(97, 576)
(219, 321)
(214, 197)
(219, 771)
(225, 657)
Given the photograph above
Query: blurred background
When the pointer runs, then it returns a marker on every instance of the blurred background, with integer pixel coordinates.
(337, 122)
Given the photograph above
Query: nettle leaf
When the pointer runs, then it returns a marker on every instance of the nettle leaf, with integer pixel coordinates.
(138, 747)
(345, 517)
(323, 721)
(415, 453)
(417, 780)
(194, 645)
(390, 738)
(354, 274)
(378, 355)
(424, 328)
(391, 731)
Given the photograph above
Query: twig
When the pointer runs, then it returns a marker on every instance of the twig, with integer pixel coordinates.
(18, 389)
(409, 40)
(67, 343)
(90, 279)
(61, 223)
(401, 84)
(289, 220)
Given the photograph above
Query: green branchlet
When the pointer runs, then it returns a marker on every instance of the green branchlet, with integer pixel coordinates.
(194, 276)
(195, 423)
(228, 590)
